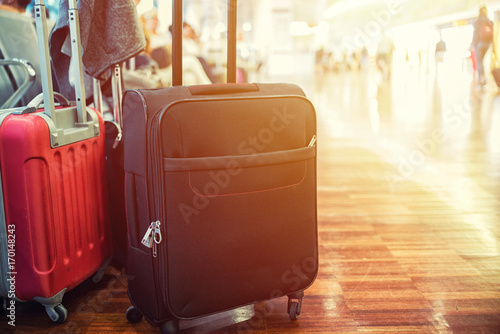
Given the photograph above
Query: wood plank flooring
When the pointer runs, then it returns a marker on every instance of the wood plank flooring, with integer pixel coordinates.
(409, 223)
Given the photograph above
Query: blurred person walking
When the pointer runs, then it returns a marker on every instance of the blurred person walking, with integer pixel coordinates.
(385, 49)
(440, 50)
(482, 40)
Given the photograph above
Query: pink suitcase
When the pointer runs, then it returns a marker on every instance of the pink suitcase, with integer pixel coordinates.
(54, 216)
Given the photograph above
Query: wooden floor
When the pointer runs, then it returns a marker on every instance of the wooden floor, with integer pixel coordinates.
(409, 221)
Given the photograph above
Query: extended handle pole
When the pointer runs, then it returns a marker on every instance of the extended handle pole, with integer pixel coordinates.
(116, 86)
(43, 52)
(76, 54)
(97, 95)
(177, 43)
(231, 40)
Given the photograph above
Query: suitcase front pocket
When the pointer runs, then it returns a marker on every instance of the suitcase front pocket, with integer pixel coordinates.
(243, 174)
(235, 225)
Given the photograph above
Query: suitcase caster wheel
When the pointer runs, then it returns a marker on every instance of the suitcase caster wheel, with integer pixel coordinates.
(133, 315)
(170, 327)
(97, 277)
(57, 314)
(294, 308)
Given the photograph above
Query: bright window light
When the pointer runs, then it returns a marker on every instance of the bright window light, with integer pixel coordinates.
(247, 26)
(300, 28)
(345, 6)
(145, 6)
(220, 27)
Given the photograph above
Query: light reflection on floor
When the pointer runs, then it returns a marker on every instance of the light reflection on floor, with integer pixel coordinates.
(436, 129)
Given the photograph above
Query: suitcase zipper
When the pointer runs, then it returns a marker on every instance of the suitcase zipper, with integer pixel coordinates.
(156, 168)
(148, 237)
(153, 237)
(156, 240)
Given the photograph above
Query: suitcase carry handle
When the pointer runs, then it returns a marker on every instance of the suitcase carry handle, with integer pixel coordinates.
(177, 42)
(39, 100)
(218, 89)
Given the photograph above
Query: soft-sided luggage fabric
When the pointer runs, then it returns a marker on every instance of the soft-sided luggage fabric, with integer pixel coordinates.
(57, 201)
(235, 231)
(237, 186)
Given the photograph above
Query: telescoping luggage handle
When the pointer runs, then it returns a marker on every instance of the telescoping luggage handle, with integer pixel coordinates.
(64, 127)
(177, 42)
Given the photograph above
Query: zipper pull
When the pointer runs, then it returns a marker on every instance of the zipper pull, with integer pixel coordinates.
(156, 237)
(147, 240)
(117, 140)
(312, 142)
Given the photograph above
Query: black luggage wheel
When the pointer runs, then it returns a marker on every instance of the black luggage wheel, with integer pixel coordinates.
(295, 305)
(133, 315)
(57, 313)
(170, 327)
(62, 313)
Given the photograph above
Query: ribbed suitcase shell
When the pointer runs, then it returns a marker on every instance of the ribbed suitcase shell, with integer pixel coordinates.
(56, 199)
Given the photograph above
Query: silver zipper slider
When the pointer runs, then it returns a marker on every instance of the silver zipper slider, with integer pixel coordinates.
(156, 237)
(157, 234)
(312, 142)
(147, 240)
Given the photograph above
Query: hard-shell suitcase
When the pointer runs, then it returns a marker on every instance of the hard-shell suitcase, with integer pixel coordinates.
(54, 220)
(221, 197)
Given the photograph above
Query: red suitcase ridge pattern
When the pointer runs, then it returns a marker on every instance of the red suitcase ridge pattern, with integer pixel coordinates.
(57, 202)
